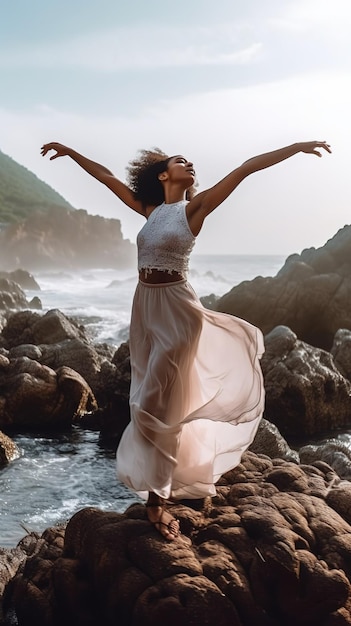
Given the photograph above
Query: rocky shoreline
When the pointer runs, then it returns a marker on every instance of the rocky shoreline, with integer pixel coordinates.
(273, 547)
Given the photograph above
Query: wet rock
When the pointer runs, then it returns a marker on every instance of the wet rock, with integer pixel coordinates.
(10, 561)
(334, 452)
(341, 352)
(273, 547)
(305, 393)
(115, 385)
(105, 371)
(9, 451)
(269, 441)
(33, 395)
(12, 295)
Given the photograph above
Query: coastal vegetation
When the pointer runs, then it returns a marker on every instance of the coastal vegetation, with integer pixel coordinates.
(22, 193)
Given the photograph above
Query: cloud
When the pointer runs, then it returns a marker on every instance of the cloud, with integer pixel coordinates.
(137, 47)
(322, 17)
(295, 205)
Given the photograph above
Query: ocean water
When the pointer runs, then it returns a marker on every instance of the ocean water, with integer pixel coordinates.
(58, 474)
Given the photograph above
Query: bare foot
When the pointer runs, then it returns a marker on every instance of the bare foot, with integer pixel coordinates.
(163, 521)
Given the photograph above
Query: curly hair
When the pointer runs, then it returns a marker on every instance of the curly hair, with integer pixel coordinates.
(142, 177)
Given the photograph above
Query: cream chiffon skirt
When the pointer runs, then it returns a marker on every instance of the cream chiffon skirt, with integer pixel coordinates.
(196, 394)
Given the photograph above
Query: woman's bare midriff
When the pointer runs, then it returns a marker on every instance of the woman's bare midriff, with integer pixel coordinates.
(156, 277)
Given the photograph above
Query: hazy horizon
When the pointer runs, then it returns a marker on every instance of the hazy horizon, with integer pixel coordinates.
(218, 82)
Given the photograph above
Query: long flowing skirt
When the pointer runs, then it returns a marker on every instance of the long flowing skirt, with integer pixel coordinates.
(196, 394)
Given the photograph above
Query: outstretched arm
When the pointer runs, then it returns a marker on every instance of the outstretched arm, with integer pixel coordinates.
(205, 202)
(101, 173)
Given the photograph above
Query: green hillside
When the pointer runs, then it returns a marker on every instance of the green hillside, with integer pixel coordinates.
(22, 193)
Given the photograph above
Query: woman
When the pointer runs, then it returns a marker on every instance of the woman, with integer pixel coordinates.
(196, 394)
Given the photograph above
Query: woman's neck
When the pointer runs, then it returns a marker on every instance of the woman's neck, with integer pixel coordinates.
(174, 194)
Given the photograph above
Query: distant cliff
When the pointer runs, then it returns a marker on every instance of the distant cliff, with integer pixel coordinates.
(63, 239)
(40, 230)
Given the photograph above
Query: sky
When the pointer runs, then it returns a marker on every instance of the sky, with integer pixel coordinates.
(217, 81)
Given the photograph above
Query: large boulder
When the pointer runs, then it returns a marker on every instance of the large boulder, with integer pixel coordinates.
(23, 278)
(311, 294)
(54, 341)
(305, 393)
(75, 353)
(26, 327)
(273, 547)
(12, 296)
(33, 395)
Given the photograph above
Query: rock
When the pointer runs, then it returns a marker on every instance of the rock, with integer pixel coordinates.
(8, 449)
(210, 302)
(10, 561)
(23, 278)
(28, 350)
(341, 351)
(305, 393)
(74, 353)
(35, 396)
(333, 451)
(104, 370)
(310, 294)
(35, 303)
(271, 548)
(55, 341)
(270, 442)
(13, 559)
(2, 322)
(25, 327)
(12, 295)
(114, 394)
(296, 270)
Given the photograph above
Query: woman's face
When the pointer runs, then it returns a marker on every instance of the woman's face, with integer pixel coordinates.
(181, 170)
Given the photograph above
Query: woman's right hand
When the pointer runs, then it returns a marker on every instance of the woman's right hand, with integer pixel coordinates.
(61, 150)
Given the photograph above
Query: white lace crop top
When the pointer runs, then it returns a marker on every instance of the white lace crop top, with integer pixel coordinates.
(165, 241)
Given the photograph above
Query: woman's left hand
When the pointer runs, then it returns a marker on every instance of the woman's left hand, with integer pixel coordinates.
(310, 147)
